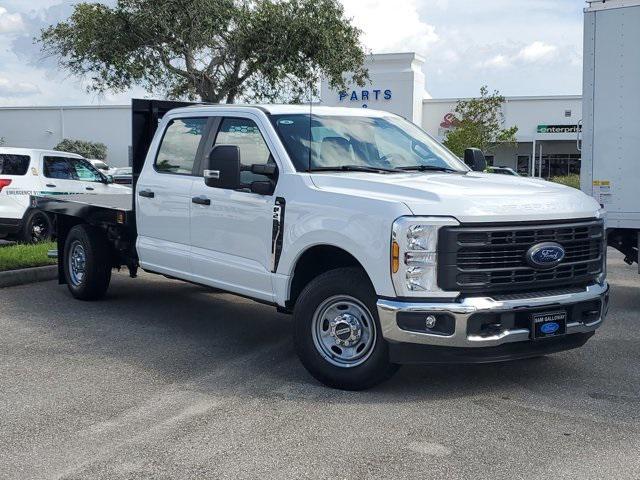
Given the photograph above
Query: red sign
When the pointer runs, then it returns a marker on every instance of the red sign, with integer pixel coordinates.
(450, 121)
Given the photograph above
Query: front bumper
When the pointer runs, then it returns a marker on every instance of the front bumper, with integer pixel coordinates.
(468, 311)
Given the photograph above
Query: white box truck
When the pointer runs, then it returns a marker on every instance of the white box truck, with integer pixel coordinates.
(611, 119)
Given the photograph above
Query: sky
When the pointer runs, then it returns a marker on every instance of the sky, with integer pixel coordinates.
(519, 47)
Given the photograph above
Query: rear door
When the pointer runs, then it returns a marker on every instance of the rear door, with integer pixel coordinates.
(163, 197)
(59, 176)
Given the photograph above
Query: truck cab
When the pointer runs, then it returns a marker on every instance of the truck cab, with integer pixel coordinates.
(386, 247)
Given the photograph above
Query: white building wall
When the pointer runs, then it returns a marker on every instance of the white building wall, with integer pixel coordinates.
(398, 80)
(45, 127)
(524, 112)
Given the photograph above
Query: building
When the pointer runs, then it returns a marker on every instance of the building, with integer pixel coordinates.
(546, 139)
(45, 127)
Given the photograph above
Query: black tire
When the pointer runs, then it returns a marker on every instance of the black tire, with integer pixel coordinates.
(36, 227)
(342, 283)
(96, 275)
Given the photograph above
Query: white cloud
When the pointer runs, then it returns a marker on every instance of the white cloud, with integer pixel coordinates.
(513, 56)
(17, 89)
(498, 61)
(391, 28)
(537, 51)
(10, 22)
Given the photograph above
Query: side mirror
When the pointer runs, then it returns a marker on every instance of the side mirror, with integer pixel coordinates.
(474, 158)
(223, 168)
(107, 178)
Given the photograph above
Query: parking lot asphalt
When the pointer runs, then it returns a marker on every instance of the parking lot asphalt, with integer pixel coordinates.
(169, 380)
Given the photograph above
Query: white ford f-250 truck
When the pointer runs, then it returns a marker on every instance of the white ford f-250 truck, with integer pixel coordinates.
(385, 246)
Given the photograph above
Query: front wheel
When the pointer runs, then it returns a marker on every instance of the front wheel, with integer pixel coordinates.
(337, 331)
(87, 262)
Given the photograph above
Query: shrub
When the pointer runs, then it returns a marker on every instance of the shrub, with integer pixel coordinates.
(87, 149)
(568, 180)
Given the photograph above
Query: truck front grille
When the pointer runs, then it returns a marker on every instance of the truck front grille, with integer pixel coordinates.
(493, 258)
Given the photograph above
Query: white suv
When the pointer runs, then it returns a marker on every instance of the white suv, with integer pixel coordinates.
(25, 172)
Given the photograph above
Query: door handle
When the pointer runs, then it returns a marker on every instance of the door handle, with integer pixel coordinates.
(147, 194)
(90, 188)
(201, 200)
(51, 185)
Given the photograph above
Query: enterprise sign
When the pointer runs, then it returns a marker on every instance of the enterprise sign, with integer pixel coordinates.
(559, 128)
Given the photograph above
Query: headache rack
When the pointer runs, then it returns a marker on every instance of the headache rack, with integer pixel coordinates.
(485, 259)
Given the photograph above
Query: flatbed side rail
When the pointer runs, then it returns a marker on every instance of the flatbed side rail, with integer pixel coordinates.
(119, 226)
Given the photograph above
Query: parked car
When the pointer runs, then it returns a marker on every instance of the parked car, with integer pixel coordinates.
(122, 175)
(100, 165)
(25, 172)
(502, 171)
(385, 247)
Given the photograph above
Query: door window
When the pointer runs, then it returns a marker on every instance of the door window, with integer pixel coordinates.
(245, 134)
(58, 167)
(85, 171)
(14, 164)
(179, 146)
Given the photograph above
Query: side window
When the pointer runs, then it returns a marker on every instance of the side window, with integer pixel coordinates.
(85, 171)
(244, 133)
(14, 164)
(58, 167)
(179, 146)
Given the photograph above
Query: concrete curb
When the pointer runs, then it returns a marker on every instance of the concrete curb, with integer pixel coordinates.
(28, 275)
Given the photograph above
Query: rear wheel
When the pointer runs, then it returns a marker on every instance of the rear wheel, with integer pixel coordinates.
(337, 331)
(87, 263)
(37, 227)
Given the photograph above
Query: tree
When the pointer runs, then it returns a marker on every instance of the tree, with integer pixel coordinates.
(480, 124)
(214, 50)
(92, 150)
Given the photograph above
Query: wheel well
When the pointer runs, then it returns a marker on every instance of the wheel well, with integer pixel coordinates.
(316, 261)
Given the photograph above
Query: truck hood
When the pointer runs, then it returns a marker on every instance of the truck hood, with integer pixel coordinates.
(471, 197)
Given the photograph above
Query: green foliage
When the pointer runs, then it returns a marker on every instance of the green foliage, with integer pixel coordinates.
(480, 122)
(91, 150)
(215, 50)
(568, 180)
(14, 257)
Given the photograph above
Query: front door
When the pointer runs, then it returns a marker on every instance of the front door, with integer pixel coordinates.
(231, 236)
(163, 199)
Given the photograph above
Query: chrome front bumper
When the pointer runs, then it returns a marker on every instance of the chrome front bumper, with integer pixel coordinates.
(464, 309)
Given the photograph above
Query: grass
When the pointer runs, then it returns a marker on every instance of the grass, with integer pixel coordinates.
(568, 180)
(19, 256)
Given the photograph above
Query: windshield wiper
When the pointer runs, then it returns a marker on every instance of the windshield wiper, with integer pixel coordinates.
(428, 168)
(355, 168)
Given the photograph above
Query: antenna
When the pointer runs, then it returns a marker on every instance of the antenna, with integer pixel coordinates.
(310, 121)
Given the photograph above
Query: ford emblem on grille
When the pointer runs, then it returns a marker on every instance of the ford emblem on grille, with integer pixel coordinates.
(545, 255)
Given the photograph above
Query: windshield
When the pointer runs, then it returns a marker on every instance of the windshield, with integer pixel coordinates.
(354, 142)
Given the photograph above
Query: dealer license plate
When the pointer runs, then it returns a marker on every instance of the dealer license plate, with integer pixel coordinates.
(548, 324)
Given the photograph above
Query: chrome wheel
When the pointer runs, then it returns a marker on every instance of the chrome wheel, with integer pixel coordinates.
(344, 331)
(77, 263)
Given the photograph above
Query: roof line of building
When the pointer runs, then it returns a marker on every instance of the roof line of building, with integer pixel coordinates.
(508, 99)
(63, 107)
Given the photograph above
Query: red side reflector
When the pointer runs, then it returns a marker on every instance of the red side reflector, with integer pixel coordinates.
(4, 182)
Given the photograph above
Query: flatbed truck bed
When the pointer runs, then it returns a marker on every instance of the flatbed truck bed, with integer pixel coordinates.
(113, 213)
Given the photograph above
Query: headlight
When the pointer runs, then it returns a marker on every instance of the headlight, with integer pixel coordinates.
(414, 257)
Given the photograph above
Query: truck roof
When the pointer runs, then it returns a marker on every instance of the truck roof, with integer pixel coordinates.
(303, 109)
(36, 151)
(594, 5)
